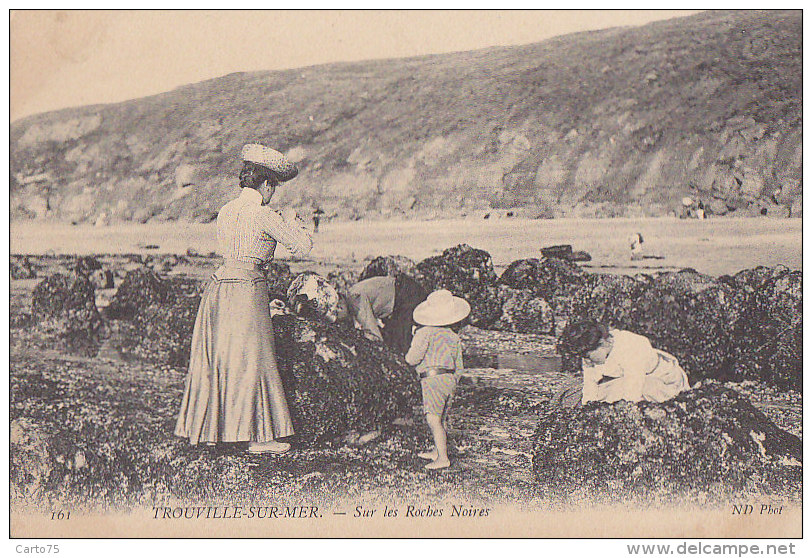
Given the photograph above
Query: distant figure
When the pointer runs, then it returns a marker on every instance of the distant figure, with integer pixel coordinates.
(700, 210)
(635, 241)
(687, 207)
(316, 218)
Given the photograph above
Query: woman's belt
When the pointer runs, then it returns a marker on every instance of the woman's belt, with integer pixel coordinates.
(241, 264)
(435, 371)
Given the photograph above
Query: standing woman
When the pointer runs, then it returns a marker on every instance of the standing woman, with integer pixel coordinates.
(233, 389)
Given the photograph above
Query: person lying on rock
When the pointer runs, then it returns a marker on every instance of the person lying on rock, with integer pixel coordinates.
(618, 365)
(436, 354)
(384, 302)
(233, 390)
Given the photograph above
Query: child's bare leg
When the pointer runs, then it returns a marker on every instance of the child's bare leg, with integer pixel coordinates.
(440, 442)
(431, 454)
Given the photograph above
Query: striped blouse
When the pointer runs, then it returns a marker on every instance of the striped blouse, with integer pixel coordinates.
(435, 347)
(248, 231)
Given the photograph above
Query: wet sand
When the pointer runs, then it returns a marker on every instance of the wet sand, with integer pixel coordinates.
(713, 246)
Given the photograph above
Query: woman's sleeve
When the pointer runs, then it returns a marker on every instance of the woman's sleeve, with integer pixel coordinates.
(590, 391)
(362, 308)
(637, 358)
(294, 236)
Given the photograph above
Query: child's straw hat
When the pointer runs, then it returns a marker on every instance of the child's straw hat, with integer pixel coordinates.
(441, 308)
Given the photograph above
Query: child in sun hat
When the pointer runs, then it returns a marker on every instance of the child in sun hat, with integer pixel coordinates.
(436, 354)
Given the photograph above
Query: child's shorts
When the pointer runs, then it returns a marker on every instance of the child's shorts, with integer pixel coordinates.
(438, 392)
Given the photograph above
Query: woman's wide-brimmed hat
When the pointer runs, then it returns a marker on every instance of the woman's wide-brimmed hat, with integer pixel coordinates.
(271, 159)
(441, 308)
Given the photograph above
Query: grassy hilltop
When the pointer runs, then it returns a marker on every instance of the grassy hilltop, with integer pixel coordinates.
(623, 121)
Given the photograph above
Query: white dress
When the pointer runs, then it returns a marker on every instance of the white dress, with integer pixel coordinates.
(634, 371)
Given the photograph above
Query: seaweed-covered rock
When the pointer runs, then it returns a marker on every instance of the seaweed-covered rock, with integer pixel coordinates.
(769, 342)
(342, 280)
(156, 316)
(337, 381)
(747, 326)
(164, 263)
(20, 268)
(696, 321)
(313, 296)
(141, 287)
(707, 439)
(610, 299)
(468, 273)
(30, 465)
(93, 269)
(545, 277)
(754, 278)
(162, 333)
(279, 279)
(523, 312)
(684, 281)
(87, 265)
(387, 266)
(65, 307)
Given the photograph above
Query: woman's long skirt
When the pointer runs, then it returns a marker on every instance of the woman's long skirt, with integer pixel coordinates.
(233, 389)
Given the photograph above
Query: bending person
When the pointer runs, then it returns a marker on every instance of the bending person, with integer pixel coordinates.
(233, 389)
(618, 365)
(391, 300)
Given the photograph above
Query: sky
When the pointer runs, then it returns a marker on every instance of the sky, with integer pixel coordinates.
(64, 59)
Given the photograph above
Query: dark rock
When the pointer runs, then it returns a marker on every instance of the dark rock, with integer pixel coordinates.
(754, 278)
(769, 342)
(30, 465)
(20, 268)
(523, 312)
(563, 251)
(545, 277)
(342, 280)
(337, 381)
(685, 313)
(162, 333)
(156, 316)
(140, 288)
(684, 281)
(279, 279)
(388, 266)
(65, 307)
(610, 299)
(746, 326)
(693, 319)
(93, 269)
(86, 265)
(468, 273)
(580, 256)
(707, 439)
